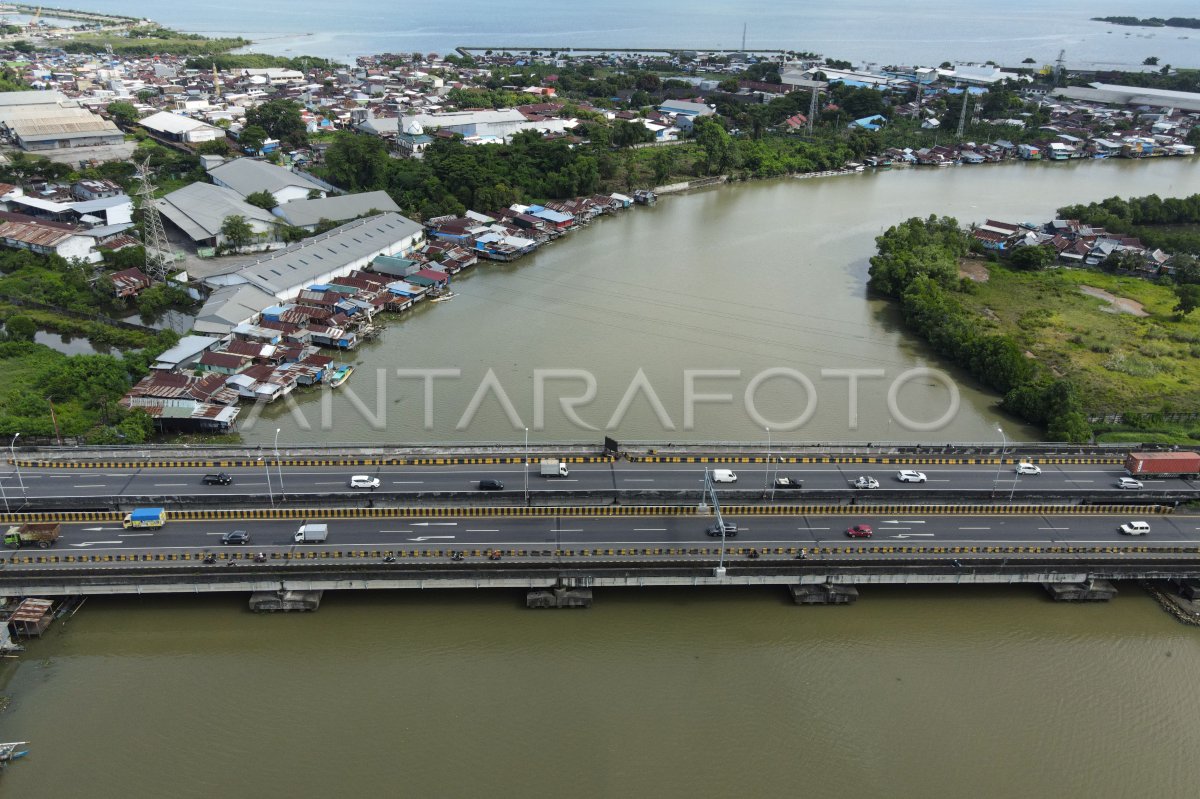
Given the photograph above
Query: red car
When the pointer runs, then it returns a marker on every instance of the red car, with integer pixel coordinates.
(859, 531)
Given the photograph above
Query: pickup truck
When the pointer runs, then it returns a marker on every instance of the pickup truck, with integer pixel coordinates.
(788, 482)
(217, 479)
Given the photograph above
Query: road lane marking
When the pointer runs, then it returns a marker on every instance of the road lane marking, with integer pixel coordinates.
(93, 543)
(974, 528)
(396, 531)
(91, 485)
(169, 485)
(132, 535)
(405, 482)
(637, 479)
(1054, 528)
(649, 529)
(434, 524)
(473, 531)
(912, 535)
(569, 530)
(421, 538)
(830, 528)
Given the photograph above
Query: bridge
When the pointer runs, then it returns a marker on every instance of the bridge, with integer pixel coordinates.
(638, 520)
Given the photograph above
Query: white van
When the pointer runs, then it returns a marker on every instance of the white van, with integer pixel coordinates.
(724, 476)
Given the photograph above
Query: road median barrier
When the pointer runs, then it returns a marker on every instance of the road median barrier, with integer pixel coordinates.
(312, 513)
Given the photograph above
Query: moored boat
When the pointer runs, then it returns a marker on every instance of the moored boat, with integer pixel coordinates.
(341, 375)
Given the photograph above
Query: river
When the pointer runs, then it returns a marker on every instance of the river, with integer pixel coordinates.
(912, 692)
(743, 280)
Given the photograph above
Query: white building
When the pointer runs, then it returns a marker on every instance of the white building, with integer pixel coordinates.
(249, 175)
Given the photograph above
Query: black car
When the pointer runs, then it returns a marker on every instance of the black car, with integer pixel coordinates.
(731, 530)
(217, 479)
(491, 485)
(236, 537)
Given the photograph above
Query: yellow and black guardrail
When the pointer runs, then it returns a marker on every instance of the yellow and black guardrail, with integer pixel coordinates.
(609, 553)
(484, 460)
(945, 460)
(229, 463)
(311, 513)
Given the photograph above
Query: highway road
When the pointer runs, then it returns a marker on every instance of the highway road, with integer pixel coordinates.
(622, 476)
(567, 531)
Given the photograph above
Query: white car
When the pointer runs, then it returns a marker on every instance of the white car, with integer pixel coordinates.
(1128, 482)
(1028, 468)
(1135, 528)
(364, 481)
(866, 482)
(910, 476)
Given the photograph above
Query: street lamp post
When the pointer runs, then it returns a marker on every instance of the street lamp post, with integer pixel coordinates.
(4, 493)
(12, 448)
(279, 467)
(526, 465)
(267, 469)
(1000, 460)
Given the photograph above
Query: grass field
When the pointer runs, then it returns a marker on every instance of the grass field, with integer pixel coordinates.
(1120, 362)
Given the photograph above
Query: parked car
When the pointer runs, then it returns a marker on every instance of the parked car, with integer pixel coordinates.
(731, 529)
(364, 481)
(490, 485)
(1128, 482)
(860, 531)
(788, 482)
(866, 482)
(1028, 468)
(910, 476)
(724, 476)
(1135, 528)
(236, 537)
(217, 479)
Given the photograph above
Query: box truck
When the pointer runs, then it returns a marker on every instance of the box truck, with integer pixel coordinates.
(152, 518)
(552, 467)
(311, 534)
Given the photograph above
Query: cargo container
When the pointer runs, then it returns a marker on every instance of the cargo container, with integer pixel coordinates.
(1163, 464)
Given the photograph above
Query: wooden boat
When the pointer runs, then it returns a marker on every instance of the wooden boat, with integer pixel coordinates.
(443, 297)
(341, 375)
(9, 752)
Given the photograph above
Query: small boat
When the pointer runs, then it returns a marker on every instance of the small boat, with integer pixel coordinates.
(9, 752)
(341, 376)
(443, 297)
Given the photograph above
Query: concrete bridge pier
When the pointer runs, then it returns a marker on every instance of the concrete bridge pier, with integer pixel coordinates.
(823, 594)
(559, 596)
(1088, 591)
(284, 601)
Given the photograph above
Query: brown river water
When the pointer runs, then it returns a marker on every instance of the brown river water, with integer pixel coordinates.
(982, 692)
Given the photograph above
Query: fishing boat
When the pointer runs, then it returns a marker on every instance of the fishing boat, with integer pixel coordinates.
(12, 751)
(443, 297)
(341, 375)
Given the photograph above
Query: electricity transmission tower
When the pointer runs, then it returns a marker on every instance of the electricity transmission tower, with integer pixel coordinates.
(962, 117)
(154, 238)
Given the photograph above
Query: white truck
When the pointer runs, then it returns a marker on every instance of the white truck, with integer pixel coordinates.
(553, 467)
(311, 534)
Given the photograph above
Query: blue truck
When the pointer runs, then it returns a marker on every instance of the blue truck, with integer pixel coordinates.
(152, 518)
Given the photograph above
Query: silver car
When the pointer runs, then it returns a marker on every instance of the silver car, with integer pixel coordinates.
(866, 482)
(1128, 482)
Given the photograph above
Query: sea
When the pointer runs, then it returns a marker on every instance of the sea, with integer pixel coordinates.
(919, 32)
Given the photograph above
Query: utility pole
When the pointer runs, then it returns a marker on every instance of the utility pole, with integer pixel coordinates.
(812, 107)
(54, 419)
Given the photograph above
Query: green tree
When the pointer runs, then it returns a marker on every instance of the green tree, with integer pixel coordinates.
(252, 138)
(1188, 295)
(1032, 258)
(281, 120)
(1152, 61)
(237, 231)
(123, 113)
(262, 199)
(20, 328)
(213, 147)
(715, 141)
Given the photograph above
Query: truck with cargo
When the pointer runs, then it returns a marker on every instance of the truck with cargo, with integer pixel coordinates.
(152, 518)
(311, 534)
(32, 534)
(1163, 464)
(552, 467)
